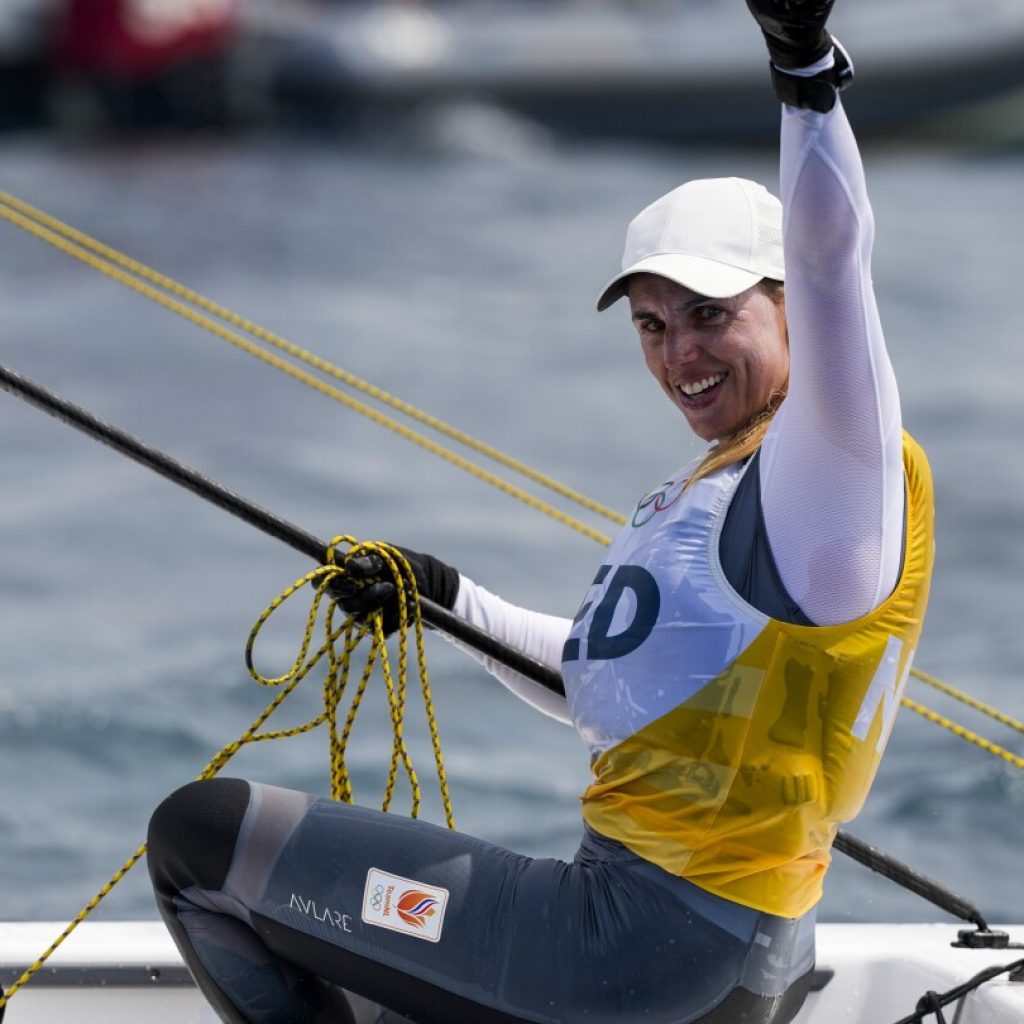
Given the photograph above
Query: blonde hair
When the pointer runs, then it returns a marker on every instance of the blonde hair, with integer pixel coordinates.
(747, 439)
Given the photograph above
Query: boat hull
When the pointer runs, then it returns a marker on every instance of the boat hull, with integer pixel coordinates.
(669, 73)
(126, 972)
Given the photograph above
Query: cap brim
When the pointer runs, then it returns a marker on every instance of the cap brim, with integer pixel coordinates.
(698, 273)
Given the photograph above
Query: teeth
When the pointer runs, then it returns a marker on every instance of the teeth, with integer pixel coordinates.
(701, 385)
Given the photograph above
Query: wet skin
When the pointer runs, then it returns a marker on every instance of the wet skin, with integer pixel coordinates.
(687, 338)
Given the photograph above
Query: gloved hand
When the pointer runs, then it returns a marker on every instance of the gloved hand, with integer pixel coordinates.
(797, 38)
(794, 30)
(368, 585)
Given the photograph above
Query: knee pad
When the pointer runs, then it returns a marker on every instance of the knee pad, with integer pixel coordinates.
(192, 834)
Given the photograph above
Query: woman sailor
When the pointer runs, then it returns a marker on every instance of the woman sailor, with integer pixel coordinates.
(734, 667)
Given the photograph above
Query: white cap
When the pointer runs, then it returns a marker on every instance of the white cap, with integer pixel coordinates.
(716, 236)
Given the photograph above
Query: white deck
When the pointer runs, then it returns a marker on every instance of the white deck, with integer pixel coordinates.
(880, 973)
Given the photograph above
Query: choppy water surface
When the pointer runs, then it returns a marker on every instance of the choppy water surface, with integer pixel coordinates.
(461, 277)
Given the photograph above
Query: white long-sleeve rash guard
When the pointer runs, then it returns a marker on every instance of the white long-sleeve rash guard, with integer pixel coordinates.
(831, 463)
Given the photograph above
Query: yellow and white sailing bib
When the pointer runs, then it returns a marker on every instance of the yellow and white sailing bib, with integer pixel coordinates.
(728, 747)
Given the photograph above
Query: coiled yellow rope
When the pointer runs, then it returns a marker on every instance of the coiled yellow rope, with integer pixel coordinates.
(121, 268)
(349, 634)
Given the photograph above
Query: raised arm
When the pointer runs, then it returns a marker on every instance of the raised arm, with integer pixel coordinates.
(831, 465)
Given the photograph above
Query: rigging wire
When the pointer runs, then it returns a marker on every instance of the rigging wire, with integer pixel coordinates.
(971, 702)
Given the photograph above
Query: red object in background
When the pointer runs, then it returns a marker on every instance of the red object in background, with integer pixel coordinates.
(136, 39)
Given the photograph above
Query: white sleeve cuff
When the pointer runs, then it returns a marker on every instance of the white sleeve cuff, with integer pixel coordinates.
(826, 63)
(540, 636)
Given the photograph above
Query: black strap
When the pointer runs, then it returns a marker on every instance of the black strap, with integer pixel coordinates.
(817, 92)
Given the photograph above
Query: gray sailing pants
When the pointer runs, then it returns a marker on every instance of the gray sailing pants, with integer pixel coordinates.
(268, 895)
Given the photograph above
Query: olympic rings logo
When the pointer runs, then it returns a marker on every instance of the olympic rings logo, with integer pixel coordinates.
(377, 897)
(657, 501)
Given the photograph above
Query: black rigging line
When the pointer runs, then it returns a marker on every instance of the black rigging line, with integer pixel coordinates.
(906, 876)
(251, 513)
(933, 1002)
(434, 614)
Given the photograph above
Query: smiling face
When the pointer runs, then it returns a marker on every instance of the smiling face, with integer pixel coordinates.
(718, 360)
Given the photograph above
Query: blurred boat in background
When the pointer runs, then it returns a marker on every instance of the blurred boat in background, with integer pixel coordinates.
(666, 70)
(24, 72)
(151, 61)
(116, 63)
(669, 70)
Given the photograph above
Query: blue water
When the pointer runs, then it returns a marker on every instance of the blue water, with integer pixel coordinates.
(457, 271)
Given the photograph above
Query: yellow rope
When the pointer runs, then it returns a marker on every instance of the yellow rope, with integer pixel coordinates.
(85, 242)
(107, 268)
(334, 686)
(29, 972)
(971, 702)
(964, 734)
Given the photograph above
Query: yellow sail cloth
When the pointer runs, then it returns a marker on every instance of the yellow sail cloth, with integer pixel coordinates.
(742, 787)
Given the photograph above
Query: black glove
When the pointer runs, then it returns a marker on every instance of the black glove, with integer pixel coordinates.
(796, 36)
(368, 585)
